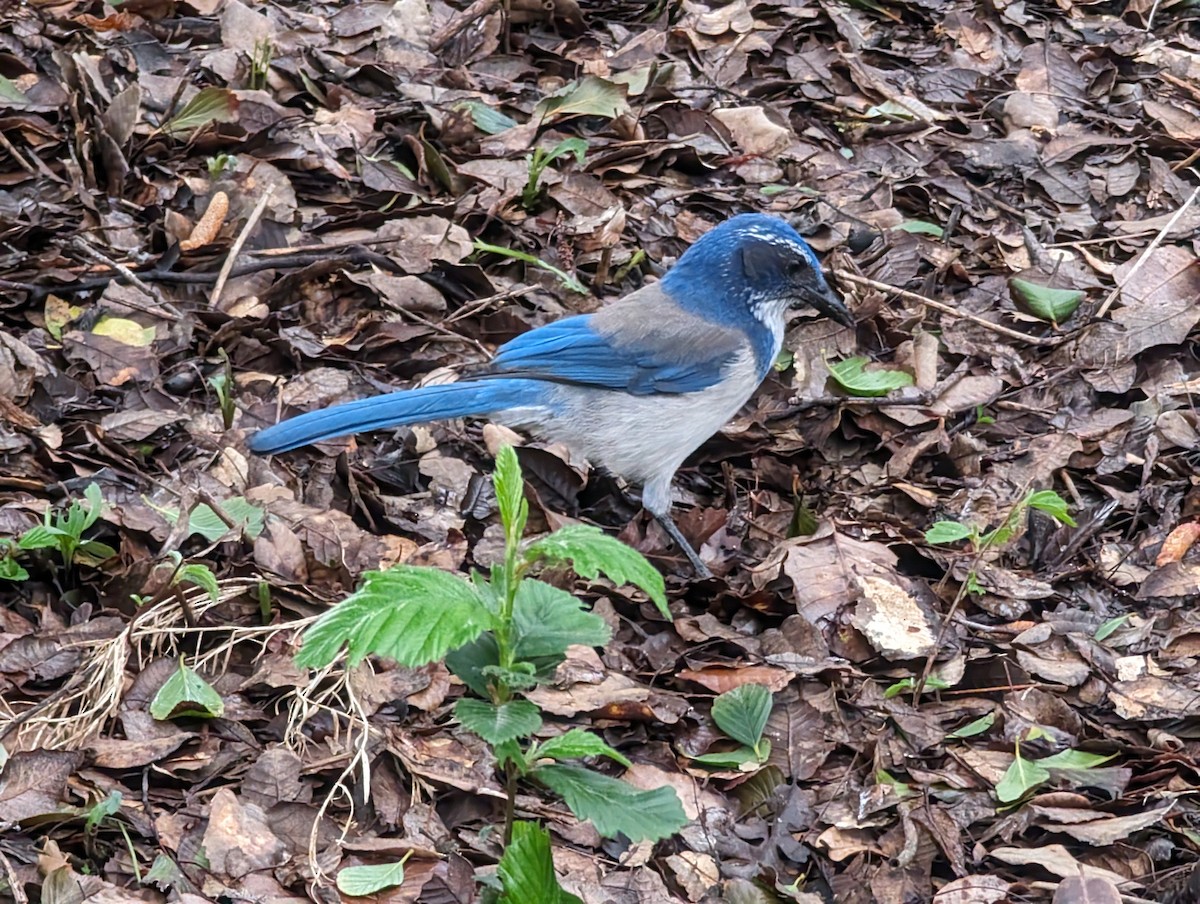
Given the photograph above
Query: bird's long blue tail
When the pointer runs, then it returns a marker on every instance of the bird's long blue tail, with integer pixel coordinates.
(409, 406)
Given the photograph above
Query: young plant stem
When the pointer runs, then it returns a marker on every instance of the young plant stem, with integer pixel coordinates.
(510, 800)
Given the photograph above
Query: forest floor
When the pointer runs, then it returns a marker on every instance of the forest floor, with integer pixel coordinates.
(217, 212)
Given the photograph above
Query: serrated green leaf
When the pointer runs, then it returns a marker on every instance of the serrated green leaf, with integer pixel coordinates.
(742, 713)
(1052, 504)
(510, 492)
(1021, 777)
(944, 532)
(487, 118)
(208, 106)
(589, 96)
(920, 227)
(185, 693)
(526, 870)
(408, 613)
(547, 620)
(359, 881)
(591, 552)
(1045, 302)
(853, 377)
(577, 744)
(613, 806)
(497, 723)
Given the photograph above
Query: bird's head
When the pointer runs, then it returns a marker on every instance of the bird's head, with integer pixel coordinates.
(752, 263)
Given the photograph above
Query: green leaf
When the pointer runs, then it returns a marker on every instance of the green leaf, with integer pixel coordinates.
(95, 505)
(568, 281)
(12, 570)
(40, 537)
(1075, 759)
(10, 93)
(1045, 302)
(472, 662)
(742, 713)
(613, 806)
(101, 810)
(408, 613)
(590, 551)
(208, 106)
(526, 870)
(589, 96)
(164, 873)
(576, 146)
(974, 727)
(738, 758)
(576, 744)
(920, 227)
(547, 620)
(359, 881)
(202, 576)
(903, 686)
(1021, 777)
(853, 377)
(185, 693)
(498, 723)
(944, 532)
(487, 119)
(1107, 628)
(510, 492)
(204, 521)
(1052, 504)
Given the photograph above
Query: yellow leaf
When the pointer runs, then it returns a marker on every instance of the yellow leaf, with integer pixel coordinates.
(127, 332)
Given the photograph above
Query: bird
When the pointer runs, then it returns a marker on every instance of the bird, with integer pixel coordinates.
(636, 386)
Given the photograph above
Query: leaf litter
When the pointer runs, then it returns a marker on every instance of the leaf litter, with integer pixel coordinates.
(215, 213)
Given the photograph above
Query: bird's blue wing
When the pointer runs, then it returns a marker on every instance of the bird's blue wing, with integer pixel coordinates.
(638, 345)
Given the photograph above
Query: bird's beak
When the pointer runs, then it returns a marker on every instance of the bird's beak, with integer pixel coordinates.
(827, 302)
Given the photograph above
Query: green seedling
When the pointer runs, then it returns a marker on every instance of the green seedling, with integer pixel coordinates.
(503, 634)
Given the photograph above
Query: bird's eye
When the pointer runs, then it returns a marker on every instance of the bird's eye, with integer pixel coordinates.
(797, 270)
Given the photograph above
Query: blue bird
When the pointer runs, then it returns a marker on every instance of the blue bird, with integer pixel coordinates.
(637, 386)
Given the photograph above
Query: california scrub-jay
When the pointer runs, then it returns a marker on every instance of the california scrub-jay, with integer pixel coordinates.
(637, 386)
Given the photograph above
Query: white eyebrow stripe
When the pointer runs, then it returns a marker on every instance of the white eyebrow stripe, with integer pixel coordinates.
(777, 240)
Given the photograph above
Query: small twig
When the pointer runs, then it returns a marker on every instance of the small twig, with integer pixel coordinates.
(21, 161)
(251, 222)
(944, 308)
(1145, 255)
(96, 254)
(476, 10)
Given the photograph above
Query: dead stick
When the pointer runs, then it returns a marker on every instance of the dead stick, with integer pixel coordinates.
(1145, 255)
(944, 308)
(476, 10)
(251, 222)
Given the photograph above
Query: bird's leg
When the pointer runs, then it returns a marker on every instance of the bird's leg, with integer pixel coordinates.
(684, 546)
